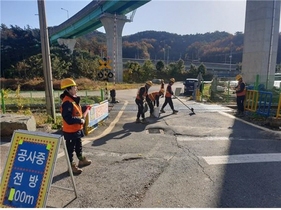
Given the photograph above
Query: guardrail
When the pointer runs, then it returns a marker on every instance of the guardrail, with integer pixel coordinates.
(260, 102)
(251, 100)
(265, 100)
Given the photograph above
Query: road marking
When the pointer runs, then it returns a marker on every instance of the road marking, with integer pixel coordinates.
(220, 138)
(110, 127)
(247, 158)
(249, 123)
(86, 140)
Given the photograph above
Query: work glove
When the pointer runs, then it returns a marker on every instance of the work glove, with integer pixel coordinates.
(82, 121)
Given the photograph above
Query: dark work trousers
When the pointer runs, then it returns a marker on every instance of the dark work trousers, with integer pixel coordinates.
(150, 105)
(156, 102)
(240, 103)
(74, 145)
(168, 100)
(140, 108)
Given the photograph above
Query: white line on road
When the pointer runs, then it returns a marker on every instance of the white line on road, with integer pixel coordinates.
(110, 127)
(246, 158)
(219, 138)
(244, 121)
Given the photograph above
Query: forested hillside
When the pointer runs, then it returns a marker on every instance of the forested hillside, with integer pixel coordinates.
(21, 52)
(209, 47)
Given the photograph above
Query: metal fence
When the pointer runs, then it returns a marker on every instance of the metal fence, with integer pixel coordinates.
(35, 100)
(263, 96)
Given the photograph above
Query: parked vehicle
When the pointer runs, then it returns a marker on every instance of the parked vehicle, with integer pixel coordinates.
(156, 81)
(189, 86)
(277, 80)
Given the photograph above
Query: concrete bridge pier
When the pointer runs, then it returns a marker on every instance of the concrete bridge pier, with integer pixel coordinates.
(70, 43)
(113, 25)
(261, 41)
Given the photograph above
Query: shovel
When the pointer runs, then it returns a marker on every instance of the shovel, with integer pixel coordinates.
(191, 109)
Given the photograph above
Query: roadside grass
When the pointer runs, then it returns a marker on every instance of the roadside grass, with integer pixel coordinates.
(16, 104)
(21, 102)
(37, 84)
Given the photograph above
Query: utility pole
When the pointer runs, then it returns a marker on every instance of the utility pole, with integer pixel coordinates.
(168, 54)
(66, 12)
(230, 57)
(47, 69)
(164, 59)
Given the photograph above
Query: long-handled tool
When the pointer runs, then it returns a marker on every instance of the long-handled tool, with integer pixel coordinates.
(191, 109)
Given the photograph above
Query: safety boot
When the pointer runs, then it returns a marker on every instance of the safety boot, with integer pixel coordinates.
(75, 170)
(162, 111)
(237, 113)
(152, 116)
(144, 121)
(138, 120)
(84, 162)
(175, 111)
(241, 114)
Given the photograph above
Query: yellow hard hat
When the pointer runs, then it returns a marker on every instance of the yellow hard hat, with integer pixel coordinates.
(238, 77)
(68, 82)
(148, 83)
(172, 80)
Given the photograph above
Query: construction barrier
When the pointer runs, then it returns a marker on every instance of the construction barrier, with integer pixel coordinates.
(264, 105)
(278, 113)
(3, 101)
(251, 100)
(96, 114)
(198, 95)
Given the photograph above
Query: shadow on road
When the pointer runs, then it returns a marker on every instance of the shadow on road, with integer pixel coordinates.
(126, 131)
(128, 128)
(251, 184)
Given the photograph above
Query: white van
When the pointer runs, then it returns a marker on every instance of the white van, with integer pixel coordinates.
(277, 80)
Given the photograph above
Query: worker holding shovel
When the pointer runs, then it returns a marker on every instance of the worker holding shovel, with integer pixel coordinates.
(168, 97)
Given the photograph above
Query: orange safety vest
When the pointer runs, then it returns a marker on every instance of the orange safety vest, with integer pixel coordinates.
(168, 95)
(243, 93)
(162, 87)
(143, 96)
(153, 95)
(76, 112)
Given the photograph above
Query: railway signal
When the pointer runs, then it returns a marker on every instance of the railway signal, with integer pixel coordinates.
(104, 67)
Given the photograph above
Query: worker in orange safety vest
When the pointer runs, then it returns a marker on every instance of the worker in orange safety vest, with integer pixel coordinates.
(153, 99)
(72, 124)
(162, 88)
(240, 91)
(140, 100)
(168, 97)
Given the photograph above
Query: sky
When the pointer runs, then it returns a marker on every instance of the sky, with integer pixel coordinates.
(180, 17)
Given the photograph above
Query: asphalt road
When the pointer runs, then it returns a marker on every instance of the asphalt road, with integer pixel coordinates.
(207, 160)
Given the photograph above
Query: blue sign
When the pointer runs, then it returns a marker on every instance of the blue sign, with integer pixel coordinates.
(28, 172)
